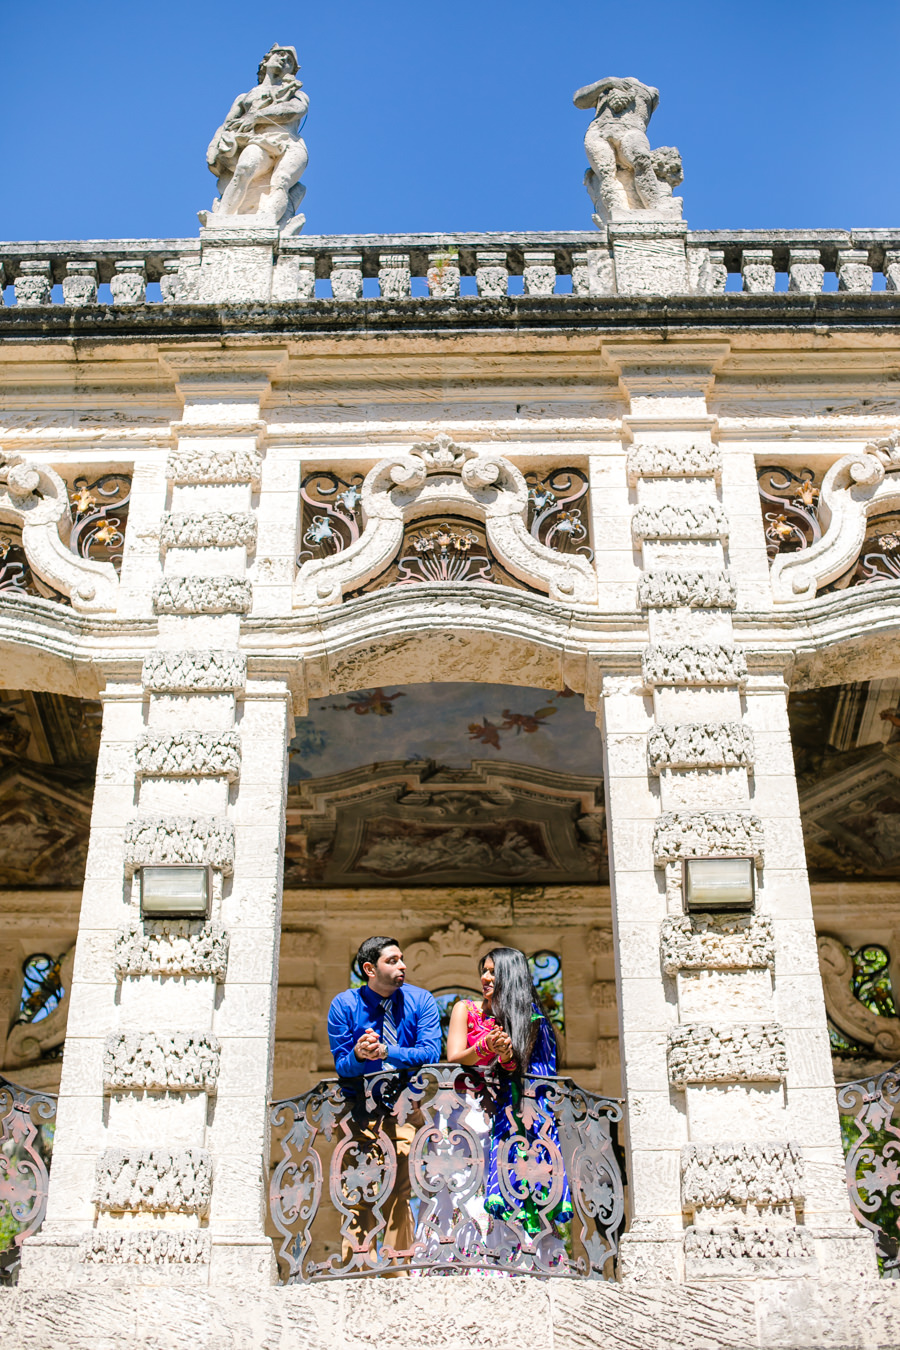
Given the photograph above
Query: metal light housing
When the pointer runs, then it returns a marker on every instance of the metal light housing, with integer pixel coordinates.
(718, 883)
(174, 892)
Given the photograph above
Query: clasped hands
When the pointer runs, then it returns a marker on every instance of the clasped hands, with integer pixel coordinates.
(369, 1046)
(498, 1042)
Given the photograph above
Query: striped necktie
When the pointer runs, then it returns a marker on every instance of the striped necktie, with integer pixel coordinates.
(388, 1030)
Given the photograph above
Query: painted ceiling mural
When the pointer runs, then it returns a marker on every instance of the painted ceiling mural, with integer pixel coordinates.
(446, 784)
(846, 742)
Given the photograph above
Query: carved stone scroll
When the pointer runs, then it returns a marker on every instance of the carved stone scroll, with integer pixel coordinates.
(672, 588)
(747, 1053)
(859, 485)
(155, 1179)
(717, 942)
(673, 461)
(194, 672)
(172, 947)
(767, 1175)
(216, 529)
(160, 841)
(202, 595)
(197, 464)
(145, 1247)
(694, 663)
(35, 498)
(152, 1061)
(433, 479)
(679, 522)
(707, 834)
(189, 754)
(700, 745)
(851, 1016)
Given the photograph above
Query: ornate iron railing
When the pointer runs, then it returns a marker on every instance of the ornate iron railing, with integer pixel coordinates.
(869, 1109)
(26, 1143)
(446, 1170)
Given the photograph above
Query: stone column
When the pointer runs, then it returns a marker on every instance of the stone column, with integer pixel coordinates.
(160, 1166)
(735, 1161)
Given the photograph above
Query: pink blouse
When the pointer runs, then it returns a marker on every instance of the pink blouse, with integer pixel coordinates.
(478, 1028)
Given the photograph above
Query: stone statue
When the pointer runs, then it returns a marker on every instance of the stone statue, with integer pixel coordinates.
(627, 180)
(258, 154)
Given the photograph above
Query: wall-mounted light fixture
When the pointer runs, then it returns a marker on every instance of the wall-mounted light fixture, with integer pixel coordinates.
(718, 883)
(174, 892)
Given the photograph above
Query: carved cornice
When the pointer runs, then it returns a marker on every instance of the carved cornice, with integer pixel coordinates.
(717, 942)
(189, 754)
(155, 1179)
(766, 1175)
(145, 1247)
(694, 663)
(172, 947)
(679, 522)
(742, 1053)
(677, 587)
(152, 1061)
(199, 464)
(202, 595)
(673, 461)
(159, 841)
(707, 834)
(194, 672)
(216, 529)
(700, 745)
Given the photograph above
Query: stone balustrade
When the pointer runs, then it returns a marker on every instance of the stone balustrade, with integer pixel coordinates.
(446, 266)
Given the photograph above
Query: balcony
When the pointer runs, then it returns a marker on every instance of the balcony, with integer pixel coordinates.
(443, 1172)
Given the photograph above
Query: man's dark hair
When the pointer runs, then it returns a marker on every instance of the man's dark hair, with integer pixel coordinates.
(371, 949)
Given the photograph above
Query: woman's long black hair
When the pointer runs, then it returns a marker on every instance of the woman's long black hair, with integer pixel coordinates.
(513, 1001)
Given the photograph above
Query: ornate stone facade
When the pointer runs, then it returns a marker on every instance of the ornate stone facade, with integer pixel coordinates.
(700, 745)
(768, 1175)
(673, 461)
(674, 588)
(145, 1247)
(753, 1053)
(694, 663)
(196, 671)
(679, 522)
(214, 529)
(198, 464)
(203, 595)
(156, 1062)
(707, 834)
(736, 1251)
(189, 754)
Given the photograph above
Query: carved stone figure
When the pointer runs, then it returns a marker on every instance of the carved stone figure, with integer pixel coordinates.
(258, 154)
(626, 178)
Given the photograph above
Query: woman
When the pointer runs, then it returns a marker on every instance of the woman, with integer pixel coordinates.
(509, 1030)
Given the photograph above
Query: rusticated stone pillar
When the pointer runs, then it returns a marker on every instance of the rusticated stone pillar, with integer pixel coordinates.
(735, 1162)
(160, 1164)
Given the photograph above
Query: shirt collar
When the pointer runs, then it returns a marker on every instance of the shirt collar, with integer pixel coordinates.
(373, 1000)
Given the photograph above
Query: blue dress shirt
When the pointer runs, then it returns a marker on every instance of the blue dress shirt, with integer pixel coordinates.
(416, 1018)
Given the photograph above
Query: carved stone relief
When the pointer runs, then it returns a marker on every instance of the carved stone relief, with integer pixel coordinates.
(672, 588)
(194, 672)
(154, 1179)
(159, 841)
(717, 942)
(436, 478)
(768, 1175)
(673, 461)
(700, 745)
(707, 834)
(847, 1012)
(196, 464)
(694, 663)
(718, 1253)
(679, 522)
(172, 947)
(752, 1053)
(449, 957)
(145, 1247)
(189, 754)
(202, 595)
(216, 529)
(155, 1062)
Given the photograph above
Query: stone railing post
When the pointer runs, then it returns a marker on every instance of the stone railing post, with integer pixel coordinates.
(724, 1042)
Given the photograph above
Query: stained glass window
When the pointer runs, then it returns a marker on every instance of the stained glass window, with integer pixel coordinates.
(42, 989)
(546, 971)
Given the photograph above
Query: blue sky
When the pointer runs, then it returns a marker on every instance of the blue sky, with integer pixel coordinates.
(455, 117)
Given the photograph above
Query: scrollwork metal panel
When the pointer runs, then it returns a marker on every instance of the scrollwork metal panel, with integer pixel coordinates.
(870, 1128)
(446, 1170)
(26, 1143)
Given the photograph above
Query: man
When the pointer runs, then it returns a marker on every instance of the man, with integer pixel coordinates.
(385, 1024)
